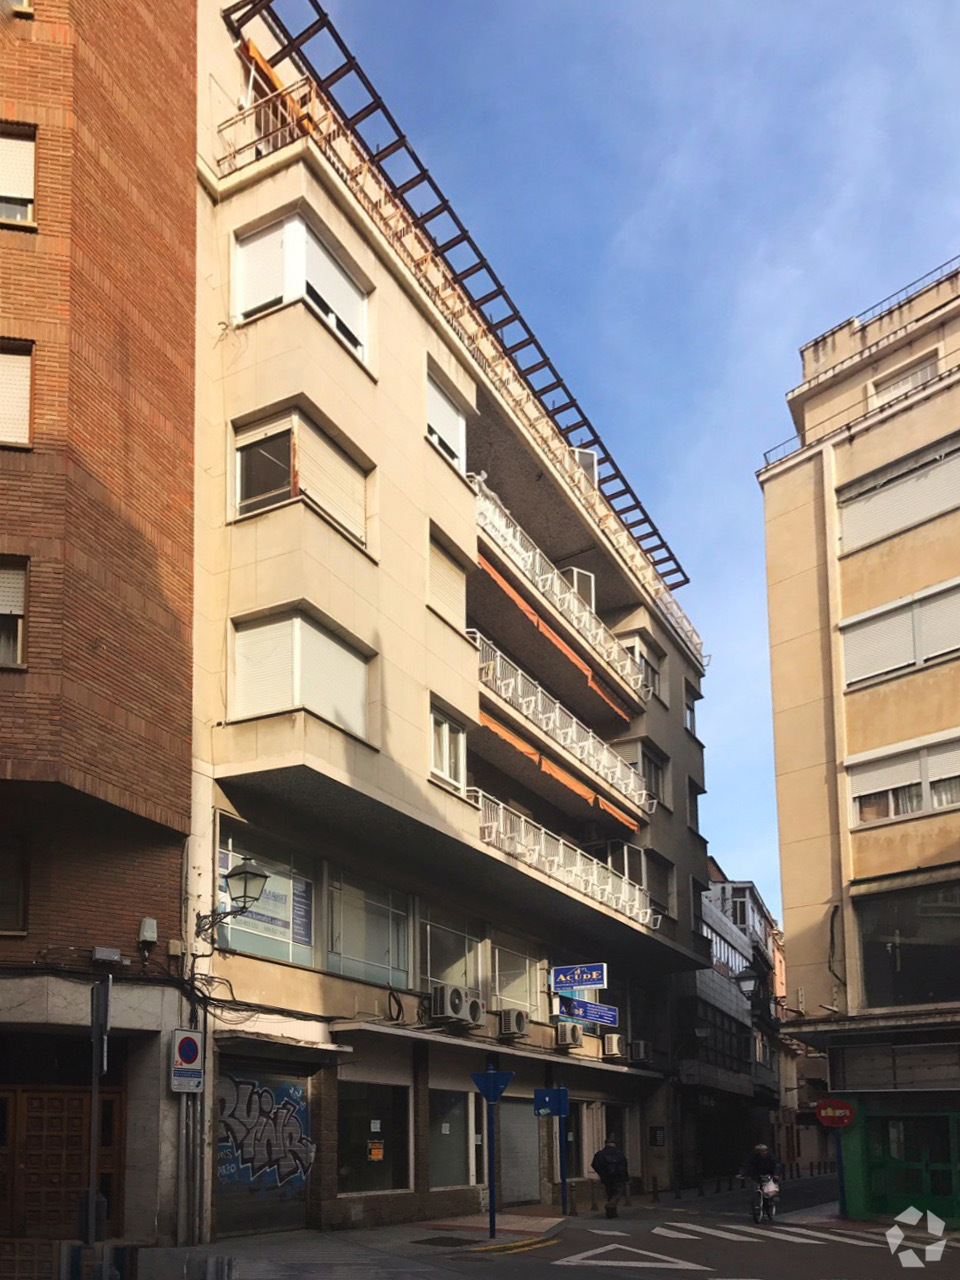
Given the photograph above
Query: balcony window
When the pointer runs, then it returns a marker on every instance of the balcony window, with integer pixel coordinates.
(920, 781)
(284, 663)
(448, 752)
(449, 949)
(13, 605)
(451, 1138)
(910, 939)
(369, 928)
(654, 770)
(446, 425)
(287, 261)
(17, 163)
(16, 368)
(264, 473)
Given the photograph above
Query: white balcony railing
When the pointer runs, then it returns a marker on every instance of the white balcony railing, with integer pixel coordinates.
(512, 833)
(494, 517)
(533, 702)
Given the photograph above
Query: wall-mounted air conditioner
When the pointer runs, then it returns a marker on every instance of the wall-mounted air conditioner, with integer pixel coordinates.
(615, 1046)
(569, 1035)
(584, 584)
(513, 1022)
(475, 1012)
(640, 1051)
(448, 1004)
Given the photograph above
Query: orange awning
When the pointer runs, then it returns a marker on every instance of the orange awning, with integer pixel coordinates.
(568, 780)
(518, 743)
(616, 813)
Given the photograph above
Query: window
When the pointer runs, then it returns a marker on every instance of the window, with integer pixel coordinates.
(16, 362)
(446, 425)
(910, 940)
(651, 674)
(282, 663)
(13, 596)
(448, 585)
(368, 931)
(904, 636)
(694, 792)
(373, 1137)
(286, 262)
(516, 980)
(905, 380)
(13, 885)
(293, 457)
(17, 161)
(658, 881)
(690, 697)
(450, 949)
(727, 1042)
(920, 781)
(654, 769)
(647, 660)
(903, 495)
(280, 926)
(448, 752)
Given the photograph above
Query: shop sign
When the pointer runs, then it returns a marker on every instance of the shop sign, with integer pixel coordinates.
(607, 1015)
(578, 977)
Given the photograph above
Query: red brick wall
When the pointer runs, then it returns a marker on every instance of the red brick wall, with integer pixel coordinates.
(102, 503)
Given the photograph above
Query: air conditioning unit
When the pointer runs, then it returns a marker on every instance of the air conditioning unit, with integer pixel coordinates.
(652, 919)
(615, 1046)
(640, 1051)
(448, 1004)
(583, 583)
(569, 1035)
(475, 1012)
(513, 1022)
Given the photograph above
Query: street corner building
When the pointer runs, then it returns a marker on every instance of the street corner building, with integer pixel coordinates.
(863, 563)
(291, 489)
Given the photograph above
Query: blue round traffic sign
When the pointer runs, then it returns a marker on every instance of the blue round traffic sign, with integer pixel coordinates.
(187, 1050)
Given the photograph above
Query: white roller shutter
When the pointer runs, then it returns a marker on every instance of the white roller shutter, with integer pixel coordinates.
(264, 668)
(939, 624)
(888, 389)
(13, 588)
(943, 761)
(334, 679)
(884, 775)
(17, 158)
(901, 503)
(15, 397)
(445, 422)
(260, 269)
(448, 585)
(332, 479)
(879, 644)
(345, 299)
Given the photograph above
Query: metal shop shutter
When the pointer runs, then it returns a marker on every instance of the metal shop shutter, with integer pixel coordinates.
(519, 1152)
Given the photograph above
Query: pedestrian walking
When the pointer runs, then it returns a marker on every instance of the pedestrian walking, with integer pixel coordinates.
(610, 1166)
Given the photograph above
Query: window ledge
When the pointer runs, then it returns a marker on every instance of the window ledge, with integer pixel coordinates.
(242, 322)
(293, 711)
(451, 789)
(17, 224)
(450, 463)
(304, 500)
(454, 626)
(13, 933)
(18, 445)
(358, 1195)
(885, 677)
(13, 666)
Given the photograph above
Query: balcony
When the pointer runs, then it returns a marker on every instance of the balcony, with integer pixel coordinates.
(523, 693)
(510, 832)
(525, 555)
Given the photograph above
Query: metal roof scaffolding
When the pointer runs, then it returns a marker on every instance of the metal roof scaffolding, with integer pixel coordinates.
(307, 37)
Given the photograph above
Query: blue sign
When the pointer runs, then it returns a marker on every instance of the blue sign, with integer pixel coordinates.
(490, 1084)
(584, 1011)
(574, 977)
(551, 1102)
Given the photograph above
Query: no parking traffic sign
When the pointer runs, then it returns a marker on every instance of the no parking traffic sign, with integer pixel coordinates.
(186, 1065)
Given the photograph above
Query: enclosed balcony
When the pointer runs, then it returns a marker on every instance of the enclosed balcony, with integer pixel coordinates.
(514, 834)
(533, 702)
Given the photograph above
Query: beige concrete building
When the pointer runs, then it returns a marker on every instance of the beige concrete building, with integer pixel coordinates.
(444, 692)
(863, 555)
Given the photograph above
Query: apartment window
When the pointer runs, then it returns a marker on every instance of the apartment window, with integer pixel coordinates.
(904, 636)
(658, 875)
(690, 698)
(282, 663)
(901, 496)
(448, 752)
(373, 1137)
(292, 457)
(16, 368)
(280, 926)
(369, 928)
(516, 980)
(694, 792)
(286, 262)
(648, 661)
(13, 603)
(654, 770)
(727, 1042)
(13, 886)
(910, 939)
(450, 949)
(921, 781)
(446, 425)
(651, 673)
(448, 585)
(905, 380)
(17, 162)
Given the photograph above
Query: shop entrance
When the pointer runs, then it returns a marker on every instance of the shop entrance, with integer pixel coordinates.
(915, 1160)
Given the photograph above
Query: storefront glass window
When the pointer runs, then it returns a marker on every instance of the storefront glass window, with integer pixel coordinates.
(373, 1137)
(910, 940)
(449, 1138)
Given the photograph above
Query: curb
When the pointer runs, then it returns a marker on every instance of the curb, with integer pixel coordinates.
(517, 1246)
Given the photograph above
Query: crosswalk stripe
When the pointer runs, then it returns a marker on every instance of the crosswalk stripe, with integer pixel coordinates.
(674, 1235)
(835, 1237)
(773, 1231)
(713, 1231)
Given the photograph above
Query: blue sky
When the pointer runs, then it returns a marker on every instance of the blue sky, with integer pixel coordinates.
(678, 195)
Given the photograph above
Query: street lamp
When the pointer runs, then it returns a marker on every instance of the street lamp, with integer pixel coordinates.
(748, 981)
(245, 883)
